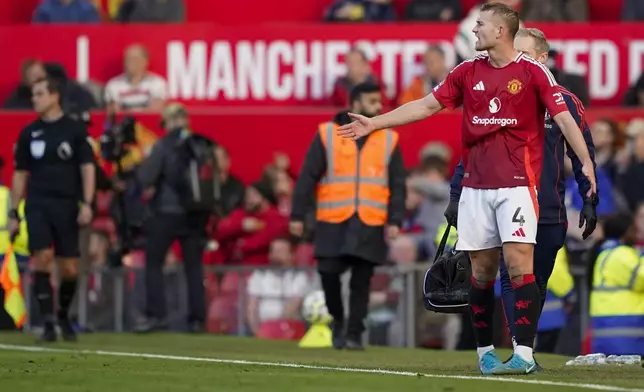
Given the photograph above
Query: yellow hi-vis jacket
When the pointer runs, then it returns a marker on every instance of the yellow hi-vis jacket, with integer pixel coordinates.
(617, 301)
(13, 301)
(21, 242)
(560, 286)
(355, 180)
(451, 238)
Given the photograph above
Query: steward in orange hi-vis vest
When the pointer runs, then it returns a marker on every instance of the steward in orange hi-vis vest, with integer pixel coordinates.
(356, 181)
(360, 191)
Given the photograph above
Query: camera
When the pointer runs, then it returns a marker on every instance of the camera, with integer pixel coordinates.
(116, 136)
(84, 117)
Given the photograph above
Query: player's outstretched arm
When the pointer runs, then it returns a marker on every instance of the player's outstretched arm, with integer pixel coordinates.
(448, 93)
(575, 138)
(406, 114)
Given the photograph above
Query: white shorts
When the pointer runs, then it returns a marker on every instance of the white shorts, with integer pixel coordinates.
(488, 218)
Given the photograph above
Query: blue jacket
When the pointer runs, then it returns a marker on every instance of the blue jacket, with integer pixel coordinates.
(607, 204)
(78, 11)
(552, 189)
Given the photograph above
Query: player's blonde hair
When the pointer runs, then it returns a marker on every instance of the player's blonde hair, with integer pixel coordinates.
(505, 12)
(541, 44)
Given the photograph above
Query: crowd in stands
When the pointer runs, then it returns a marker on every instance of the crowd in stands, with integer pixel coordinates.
(135, 90)
(173, 11)
(253, 227)
(120, 11)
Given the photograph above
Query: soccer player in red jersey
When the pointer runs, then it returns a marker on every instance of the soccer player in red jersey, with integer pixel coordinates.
(504, 95)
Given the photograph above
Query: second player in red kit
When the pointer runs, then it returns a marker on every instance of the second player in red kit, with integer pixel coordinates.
(505, 96)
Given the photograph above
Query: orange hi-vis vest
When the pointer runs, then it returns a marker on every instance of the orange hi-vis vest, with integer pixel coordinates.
(355, 180)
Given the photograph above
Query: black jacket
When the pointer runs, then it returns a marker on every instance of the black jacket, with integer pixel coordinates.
(352, 237)
(74, 97)
(576, 84)
(163, 170)
(232, 194)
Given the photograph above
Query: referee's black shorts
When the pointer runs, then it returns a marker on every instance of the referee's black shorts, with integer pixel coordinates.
(53, 222)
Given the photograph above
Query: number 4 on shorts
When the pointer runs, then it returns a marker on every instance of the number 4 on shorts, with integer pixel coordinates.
(518, 217)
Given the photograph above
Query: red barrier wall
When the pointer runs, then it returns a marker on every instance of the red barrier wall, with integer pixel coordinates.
(253, 137)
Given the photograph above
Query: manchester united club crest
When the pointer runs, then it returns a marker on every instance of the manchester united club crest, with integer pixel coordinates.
(514, 86)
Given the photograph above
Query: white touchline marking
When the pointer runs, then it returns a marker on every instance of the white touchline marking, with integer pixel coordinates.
(596, 387)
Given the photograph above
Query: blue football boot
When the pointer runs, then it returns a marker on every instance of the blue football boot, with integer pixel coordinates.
(490, 363)
(517, 365)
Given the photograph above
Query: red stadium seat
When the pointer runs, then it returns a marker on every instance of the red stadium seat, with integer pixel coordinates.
(304, 255)
(212, 258)
(231, 281)
(602, 10)
(380, 282)
(467, 5)
(222, 315)
(281, 330)
(106, 225)
(212, 286)
(399, 6)
(103, 202)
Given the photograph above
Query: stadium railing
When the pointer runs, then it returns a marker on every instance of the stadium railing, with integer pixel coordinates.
(121, 298)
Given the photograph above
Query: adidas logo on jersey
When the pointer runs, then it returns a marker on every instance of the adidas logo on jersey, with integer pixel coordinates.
(479, 87)
(519, 233)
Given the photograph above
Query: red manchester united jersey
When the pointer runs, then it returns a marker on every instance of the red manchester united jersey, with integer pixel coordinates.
(503, 115)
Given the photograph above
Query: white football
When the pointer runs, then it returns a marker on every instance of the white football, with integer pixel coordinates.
(314, 308)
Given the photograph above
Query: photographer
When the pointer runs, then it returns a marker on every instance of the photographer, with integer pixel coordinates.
(121, 147)
(181, 178)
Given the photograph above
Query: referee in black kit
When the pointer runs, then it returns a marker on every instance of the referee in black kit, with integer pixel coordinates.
(54, 163)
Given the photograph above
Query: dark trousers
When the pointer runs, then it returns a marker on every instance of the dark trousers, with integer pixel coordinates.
(547, 341)
(162, 231)
(361, 272)
(550, 238)
(6, 322)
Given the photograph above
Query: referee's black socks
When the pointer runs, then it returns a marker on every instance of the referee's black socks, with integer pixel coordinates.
(66, 295)
(44, 296)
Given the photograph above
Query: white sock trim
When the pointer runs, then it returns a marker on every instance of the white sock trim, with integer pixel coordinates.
(524, 352)
(481, 351)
